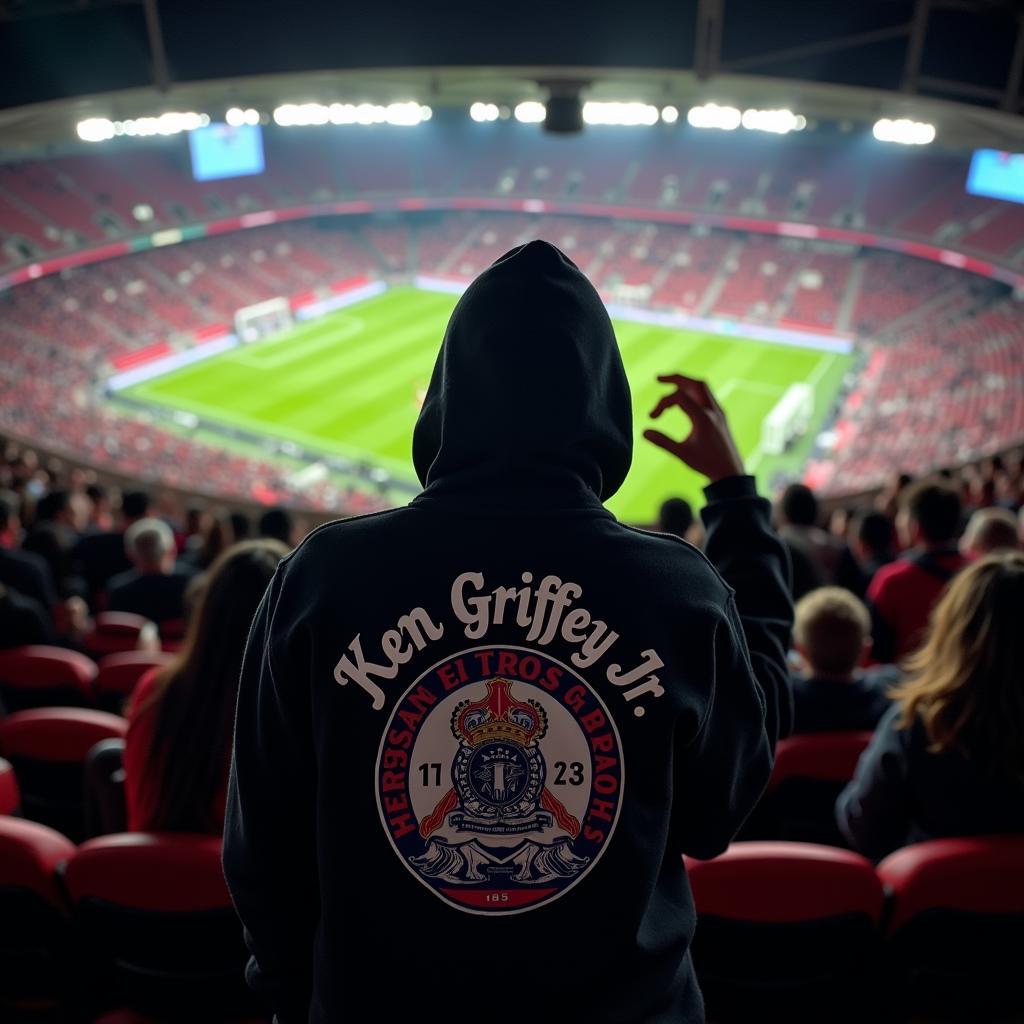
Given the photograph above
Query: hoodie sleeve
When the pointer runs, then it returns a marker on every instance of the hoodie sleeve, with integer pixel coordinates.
(751, 558)
(872, 811)
(269, 830)
(724, 770)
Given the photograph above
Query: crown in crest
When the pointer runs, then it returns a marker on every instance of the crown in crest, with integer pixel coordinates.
(499, 717)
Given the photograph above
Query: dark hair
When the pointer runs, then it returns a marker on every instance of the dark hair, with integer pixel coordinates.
(10, 503)
(51, 505)
(799, 505)
(134, 504)
(675, 516)
(195, 701)
(277, 523)
(241, 525)
(217, 539)
(96, 492)
(875, 532)
(936, 508)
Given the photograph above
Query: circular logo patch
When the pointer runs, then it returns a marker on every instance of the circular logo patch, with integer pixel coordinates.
(499, 779)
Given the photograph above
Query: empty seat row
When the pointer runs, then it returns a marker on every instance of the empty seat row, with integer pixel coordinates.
(41, 676)
(48, 749)
(799, 931)
(133, 920)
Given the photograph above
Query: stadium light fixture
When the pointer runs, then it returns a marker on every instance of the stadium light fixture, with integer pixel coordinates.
(711, 115)
(778, 122)
(95, 129)
(403, 114)
(669, 114)
(483, 112)
(629, 114)
(99, 129)
(530, 112)
(236, 117)
(904, 131)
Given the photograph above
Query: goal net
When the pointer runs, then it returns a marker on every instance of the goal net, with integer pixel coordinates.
(263, 320)
(788, 420)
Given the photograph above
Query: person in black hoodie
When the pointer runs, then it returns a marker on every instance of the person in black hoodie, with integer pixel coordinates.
(475, 734)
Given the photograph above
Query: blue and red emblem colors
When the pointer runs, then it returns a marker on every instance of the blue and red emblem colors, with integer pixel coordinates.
(499, 779)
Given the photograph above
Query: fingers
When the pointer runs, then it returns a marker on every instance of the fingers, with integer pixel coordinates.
(698, 389)
(669, 444)
(665, 402)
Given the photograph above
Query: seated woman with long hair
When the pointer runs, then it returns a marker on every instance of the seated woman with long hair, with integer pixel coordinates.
(181, 716)
(948, 758)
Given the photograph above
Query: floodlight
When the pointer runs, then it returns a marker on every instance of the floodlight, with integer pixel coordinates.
(530, 112)
(483, 112)
(778, 122)
(616, 113)
(670, 114)
(95, 129)
(711, 115)
(904, 131)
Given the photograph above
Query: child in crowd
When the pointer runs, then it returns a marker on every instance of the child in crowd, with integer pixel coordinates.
(832, 634)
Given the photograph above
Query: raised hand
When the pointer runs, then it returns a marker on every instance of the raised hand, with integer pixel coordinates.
(709, 448)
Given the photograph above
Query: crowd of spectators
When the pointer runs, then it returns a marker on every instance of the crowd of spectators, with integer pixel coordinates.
(866, 583)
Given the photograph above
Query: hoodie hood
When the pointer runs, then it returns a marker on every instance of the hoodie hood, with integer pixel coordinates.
(529, 381)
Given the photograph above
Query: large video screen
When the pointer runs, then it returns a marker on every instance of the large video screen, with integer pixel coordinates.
(225, 151)
(997, 174)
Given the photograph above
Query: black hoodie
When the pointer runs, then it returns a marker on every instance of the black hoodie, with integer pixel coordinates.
(475, 734)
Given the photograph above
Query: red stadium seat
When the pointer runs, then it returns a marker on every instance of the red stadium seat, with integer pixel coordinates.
(34, 936)
(118, 631)
(159, 923)
(786, 931)
(10, 798)
(119, 674)
(172, 634)
(40, 676)
(810, 771)
(956, 925)
(48, 747)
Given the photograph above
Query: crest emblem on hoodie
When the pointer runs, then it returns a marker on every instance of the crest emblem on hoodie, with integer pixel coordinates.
(499, 779)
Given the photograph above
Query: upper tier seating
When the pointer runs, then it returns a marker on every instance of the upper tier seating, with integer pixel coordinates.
(134, 186)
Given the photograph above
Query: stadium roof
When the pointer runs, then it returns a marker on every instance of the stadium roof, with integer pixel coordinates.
(957, 63)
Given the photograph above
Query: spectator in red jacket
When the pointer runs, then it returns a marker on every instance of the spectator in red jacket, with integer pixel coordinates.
(903, 593)
(179, 738)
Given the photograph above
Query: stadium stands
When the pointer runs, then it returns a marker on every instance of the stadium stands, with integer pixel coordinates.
(914, 315)
(65, 202)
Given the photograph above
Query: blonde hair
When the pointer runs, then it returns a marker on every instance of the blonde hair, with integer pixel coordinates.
(990, 529)
(831, 626)
(967, 680)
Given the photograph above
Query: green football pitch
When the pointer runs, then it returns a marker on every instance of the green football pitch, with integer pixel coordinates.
(350, 384)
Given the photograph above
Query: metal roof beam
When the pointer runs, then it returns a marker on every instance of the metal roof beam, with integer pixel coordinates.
(915, 48)
(707, 56)
(161, 74)
(832, 45)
